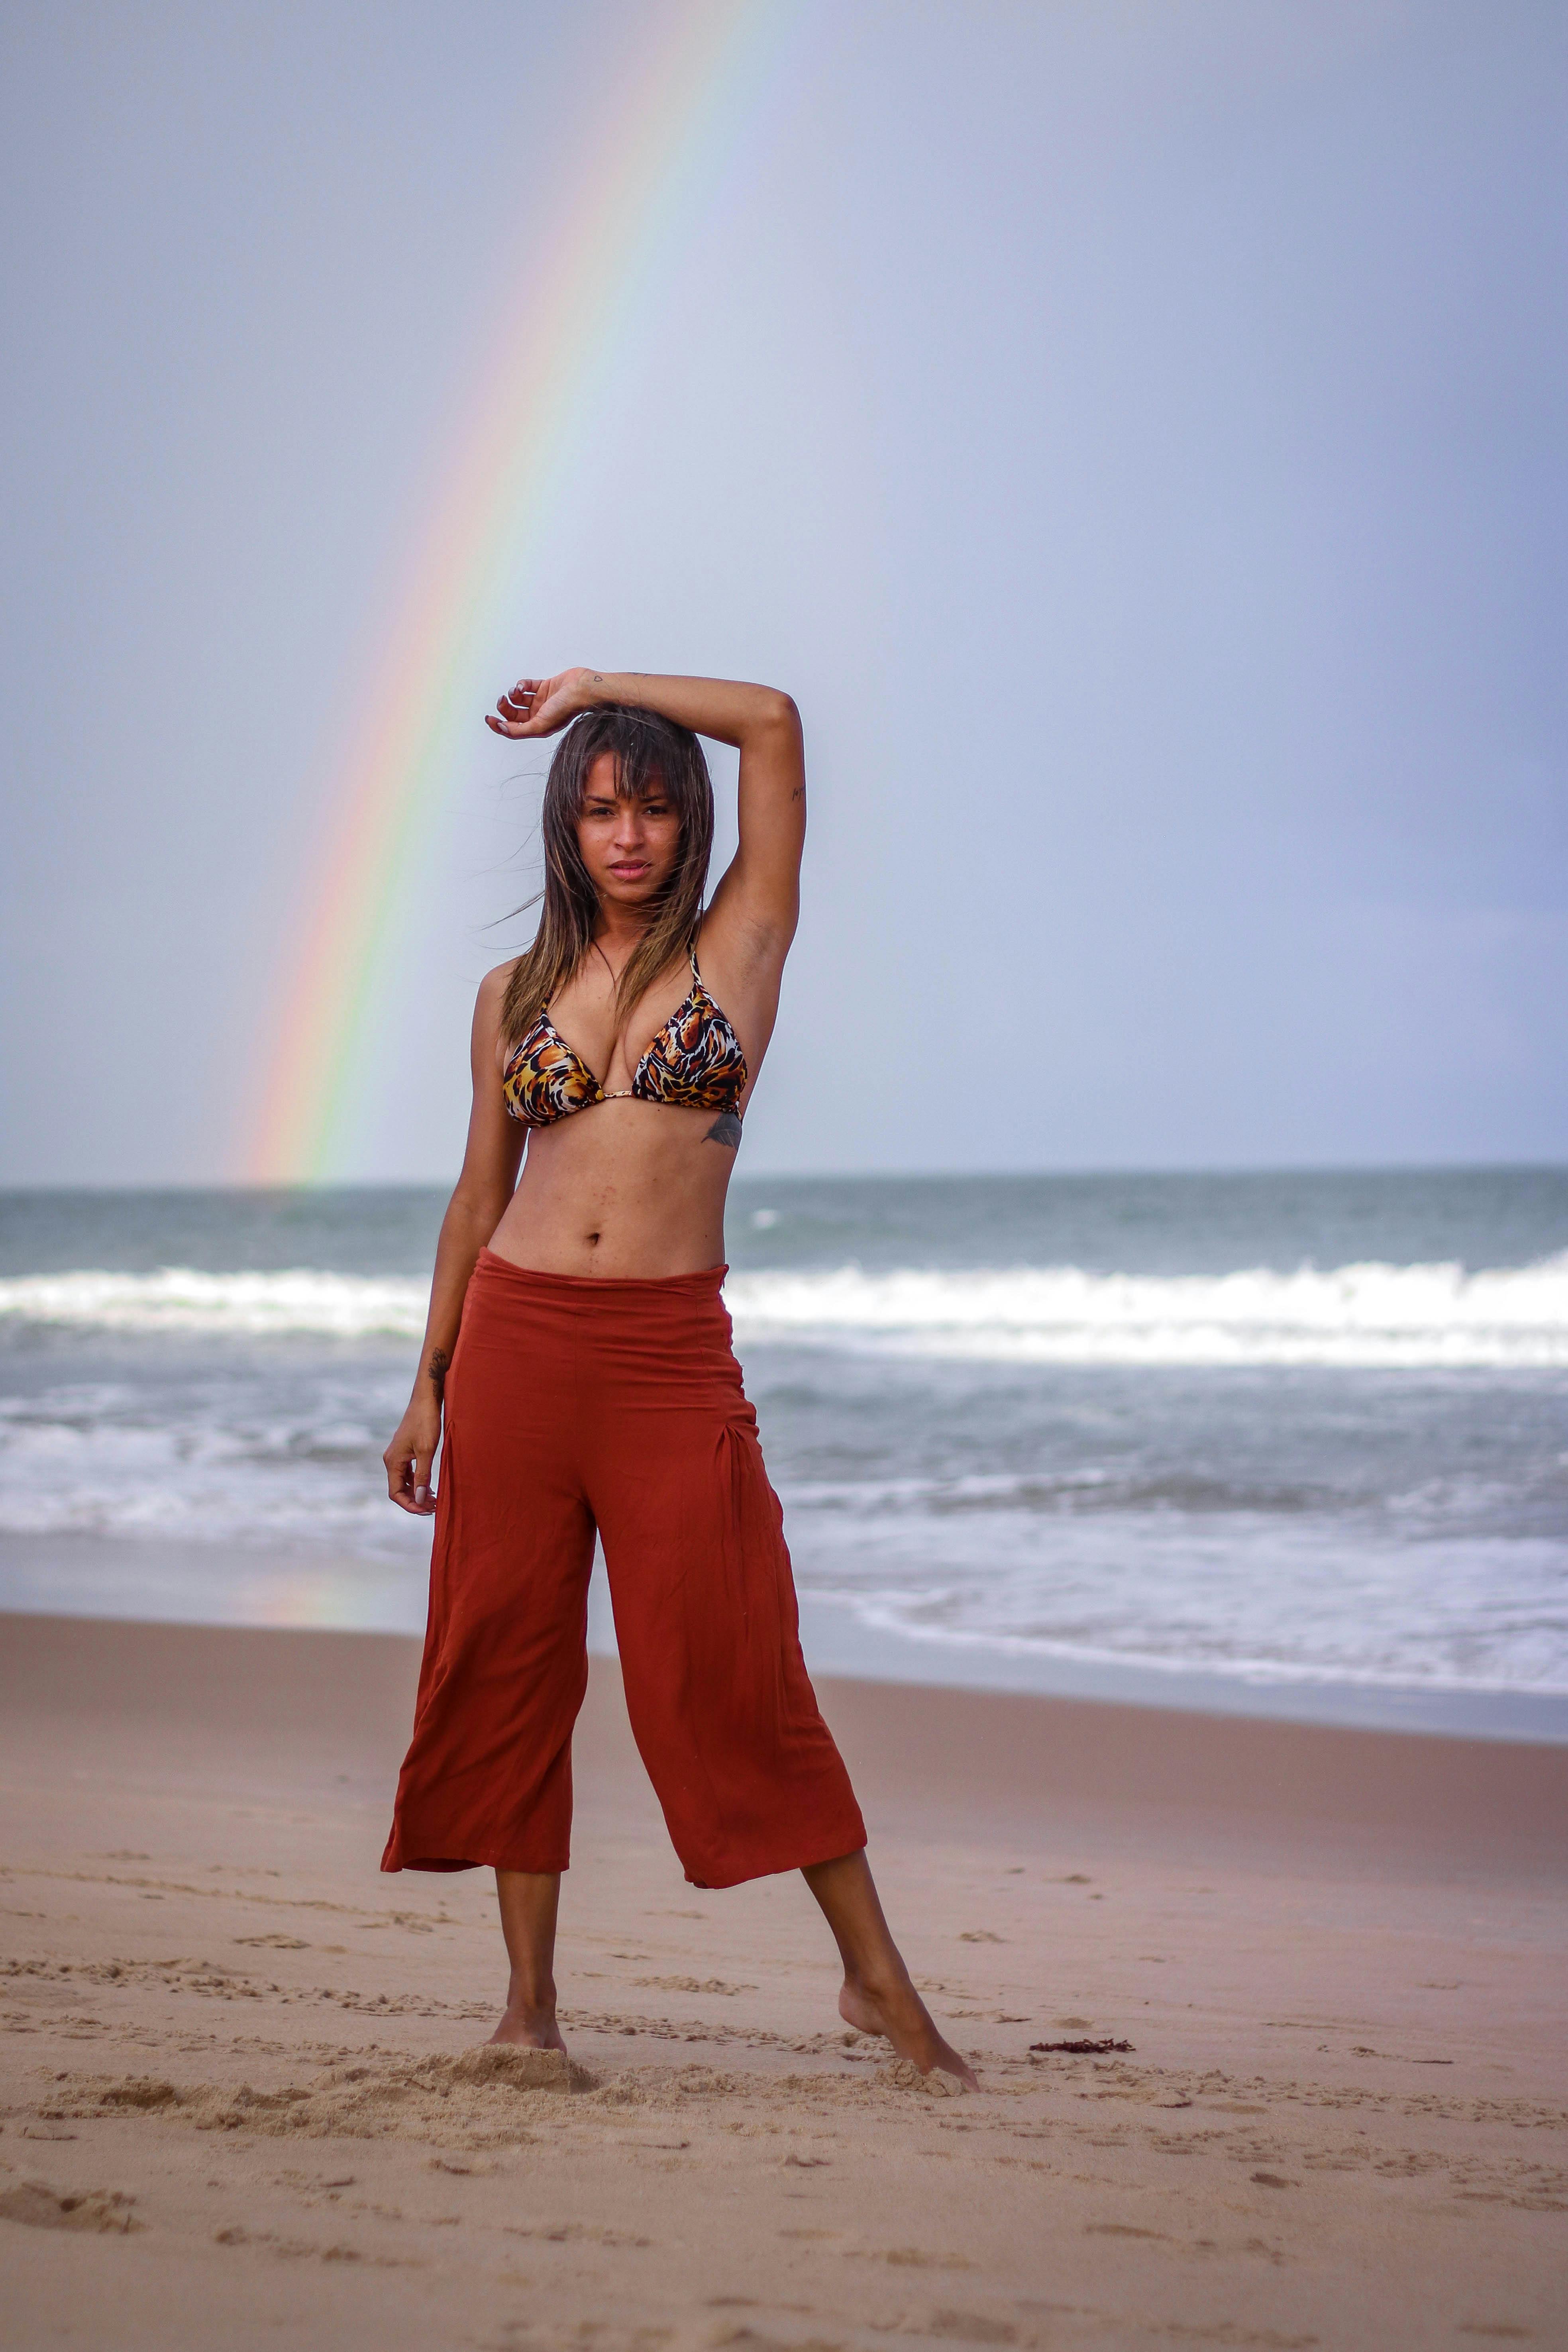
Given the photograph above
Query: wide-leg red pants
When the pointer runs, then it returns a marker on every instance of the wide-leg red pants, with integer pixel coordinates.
(575, 1404)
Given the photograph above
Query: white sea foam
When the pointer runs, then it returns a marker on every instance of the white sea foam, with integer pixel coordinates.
(246, 1306)
(1336, 1601)
(1372, 1316)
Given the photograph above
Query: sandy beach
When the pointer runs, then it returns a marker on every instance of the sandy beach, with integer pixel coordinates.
(241, 2102)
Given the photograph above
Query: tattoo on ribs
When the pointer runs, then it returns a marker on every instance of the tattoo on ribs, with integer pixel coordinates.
(436, 1369)
(725, 1129)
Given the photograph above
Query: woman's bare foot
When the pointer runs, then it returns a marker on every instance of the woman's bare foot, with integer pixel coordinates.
(531, 2029)
(896, 2011)
(878, 1996)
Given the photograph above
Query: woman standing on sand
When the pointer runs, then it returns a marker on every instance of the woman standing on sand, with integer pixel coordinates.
(580, 1350)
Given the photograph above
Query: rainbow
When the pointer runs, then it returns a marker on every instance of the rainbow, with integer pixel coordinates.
(641, 191)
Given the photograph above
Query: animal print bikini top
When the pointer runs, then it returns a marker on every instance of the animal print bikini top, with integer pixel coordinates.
(694, 1060)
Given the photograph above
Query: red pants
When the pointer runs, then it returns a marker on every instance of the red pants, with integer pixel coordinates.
(573, 1405)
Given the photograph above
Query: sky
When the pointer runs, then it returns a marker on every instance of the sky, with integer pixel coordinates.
(1134, 433)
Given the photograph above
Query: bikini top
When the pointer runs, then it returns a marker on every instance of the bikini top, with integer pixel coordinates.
(695, 1060)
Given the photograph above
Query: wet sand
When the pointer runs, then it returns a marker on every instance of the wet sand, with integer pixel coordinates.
(241, 2105)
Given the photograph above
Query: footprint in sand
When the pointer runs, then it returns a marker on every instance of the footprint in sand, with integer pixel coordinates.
(140, 2095)
(565, 2234)
(690, 1984)
(38, 2206)
(972, 2327)
(235, 2234)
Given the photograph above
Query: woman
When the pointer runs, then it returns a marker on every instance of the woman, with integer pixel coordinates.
(579, 1348)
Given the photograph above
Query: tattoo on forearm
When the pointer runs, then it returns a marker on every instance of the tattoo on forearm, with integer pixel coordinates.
(725, 1129)
(435, 1371)
(798, 793)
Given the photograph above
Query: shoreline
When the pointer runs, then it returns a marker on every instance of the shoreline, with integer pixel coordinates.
(367, 1592)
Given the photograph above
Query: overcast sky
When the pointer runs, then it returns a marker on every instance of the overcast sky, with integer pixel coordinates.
(1135, 433)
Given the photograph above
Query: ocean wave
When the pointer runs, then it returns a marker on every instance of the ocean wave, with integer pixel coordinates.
(1373, 1315)
(256, 1306)
(1410, 1668)
(1368, 1315)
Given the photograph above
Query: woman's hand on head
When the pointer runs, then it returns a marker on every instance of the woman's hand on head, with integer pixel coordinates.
(542, 706)
(410, 1455)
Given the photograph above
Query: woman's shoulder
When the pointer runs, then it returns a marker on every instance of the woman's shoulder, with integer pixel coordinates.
(489, 1028)
(494, 989)
(499, 979)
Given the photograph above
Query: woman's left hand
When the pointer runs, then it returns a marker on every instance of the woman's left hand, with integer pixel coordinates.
(542, 706)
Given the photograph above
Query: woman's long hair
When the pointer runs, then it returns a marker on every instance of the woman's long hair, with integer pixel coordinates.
(646, 750)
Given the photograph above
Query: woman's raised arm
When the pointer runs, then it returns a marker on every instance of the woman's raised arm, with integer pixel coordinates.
(758, 901)
(478, 1201)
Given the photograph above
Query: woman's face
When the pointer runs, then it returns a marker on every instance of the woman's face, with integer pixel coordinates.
(629, 846)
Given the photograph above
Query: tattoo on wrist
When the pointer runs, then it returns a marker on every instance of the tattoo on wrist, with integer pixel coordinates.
(798, 793)
(436, 1371)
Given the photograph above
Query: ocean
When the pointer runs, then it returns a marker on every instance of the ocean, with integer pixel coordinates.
(1283, 1442)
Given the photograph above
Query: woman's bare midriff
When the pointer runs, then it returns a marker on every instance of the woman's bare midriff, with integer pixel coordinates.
(626, 1191)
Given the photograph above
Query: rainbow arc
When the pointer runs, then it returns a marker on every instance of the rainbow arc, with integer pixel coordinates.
(641, 190)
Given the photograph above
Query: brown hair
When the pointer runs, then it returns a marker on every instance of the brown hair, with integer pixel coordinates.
(647, 751)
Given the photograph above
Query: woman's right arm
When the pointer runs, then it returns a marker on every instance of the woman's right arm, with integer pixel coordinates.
(488, 1179)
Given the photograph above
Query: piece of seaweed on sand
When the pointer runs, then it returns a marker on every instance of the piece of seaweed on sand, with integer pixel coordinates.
(1081, 2048)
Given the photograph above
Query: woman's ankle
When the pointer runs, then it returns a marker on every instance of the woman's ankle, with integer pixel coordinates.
(531, 2000)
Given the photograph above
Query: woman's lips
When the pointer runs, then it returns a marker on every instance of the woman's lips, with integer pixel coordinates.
(631, 873)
